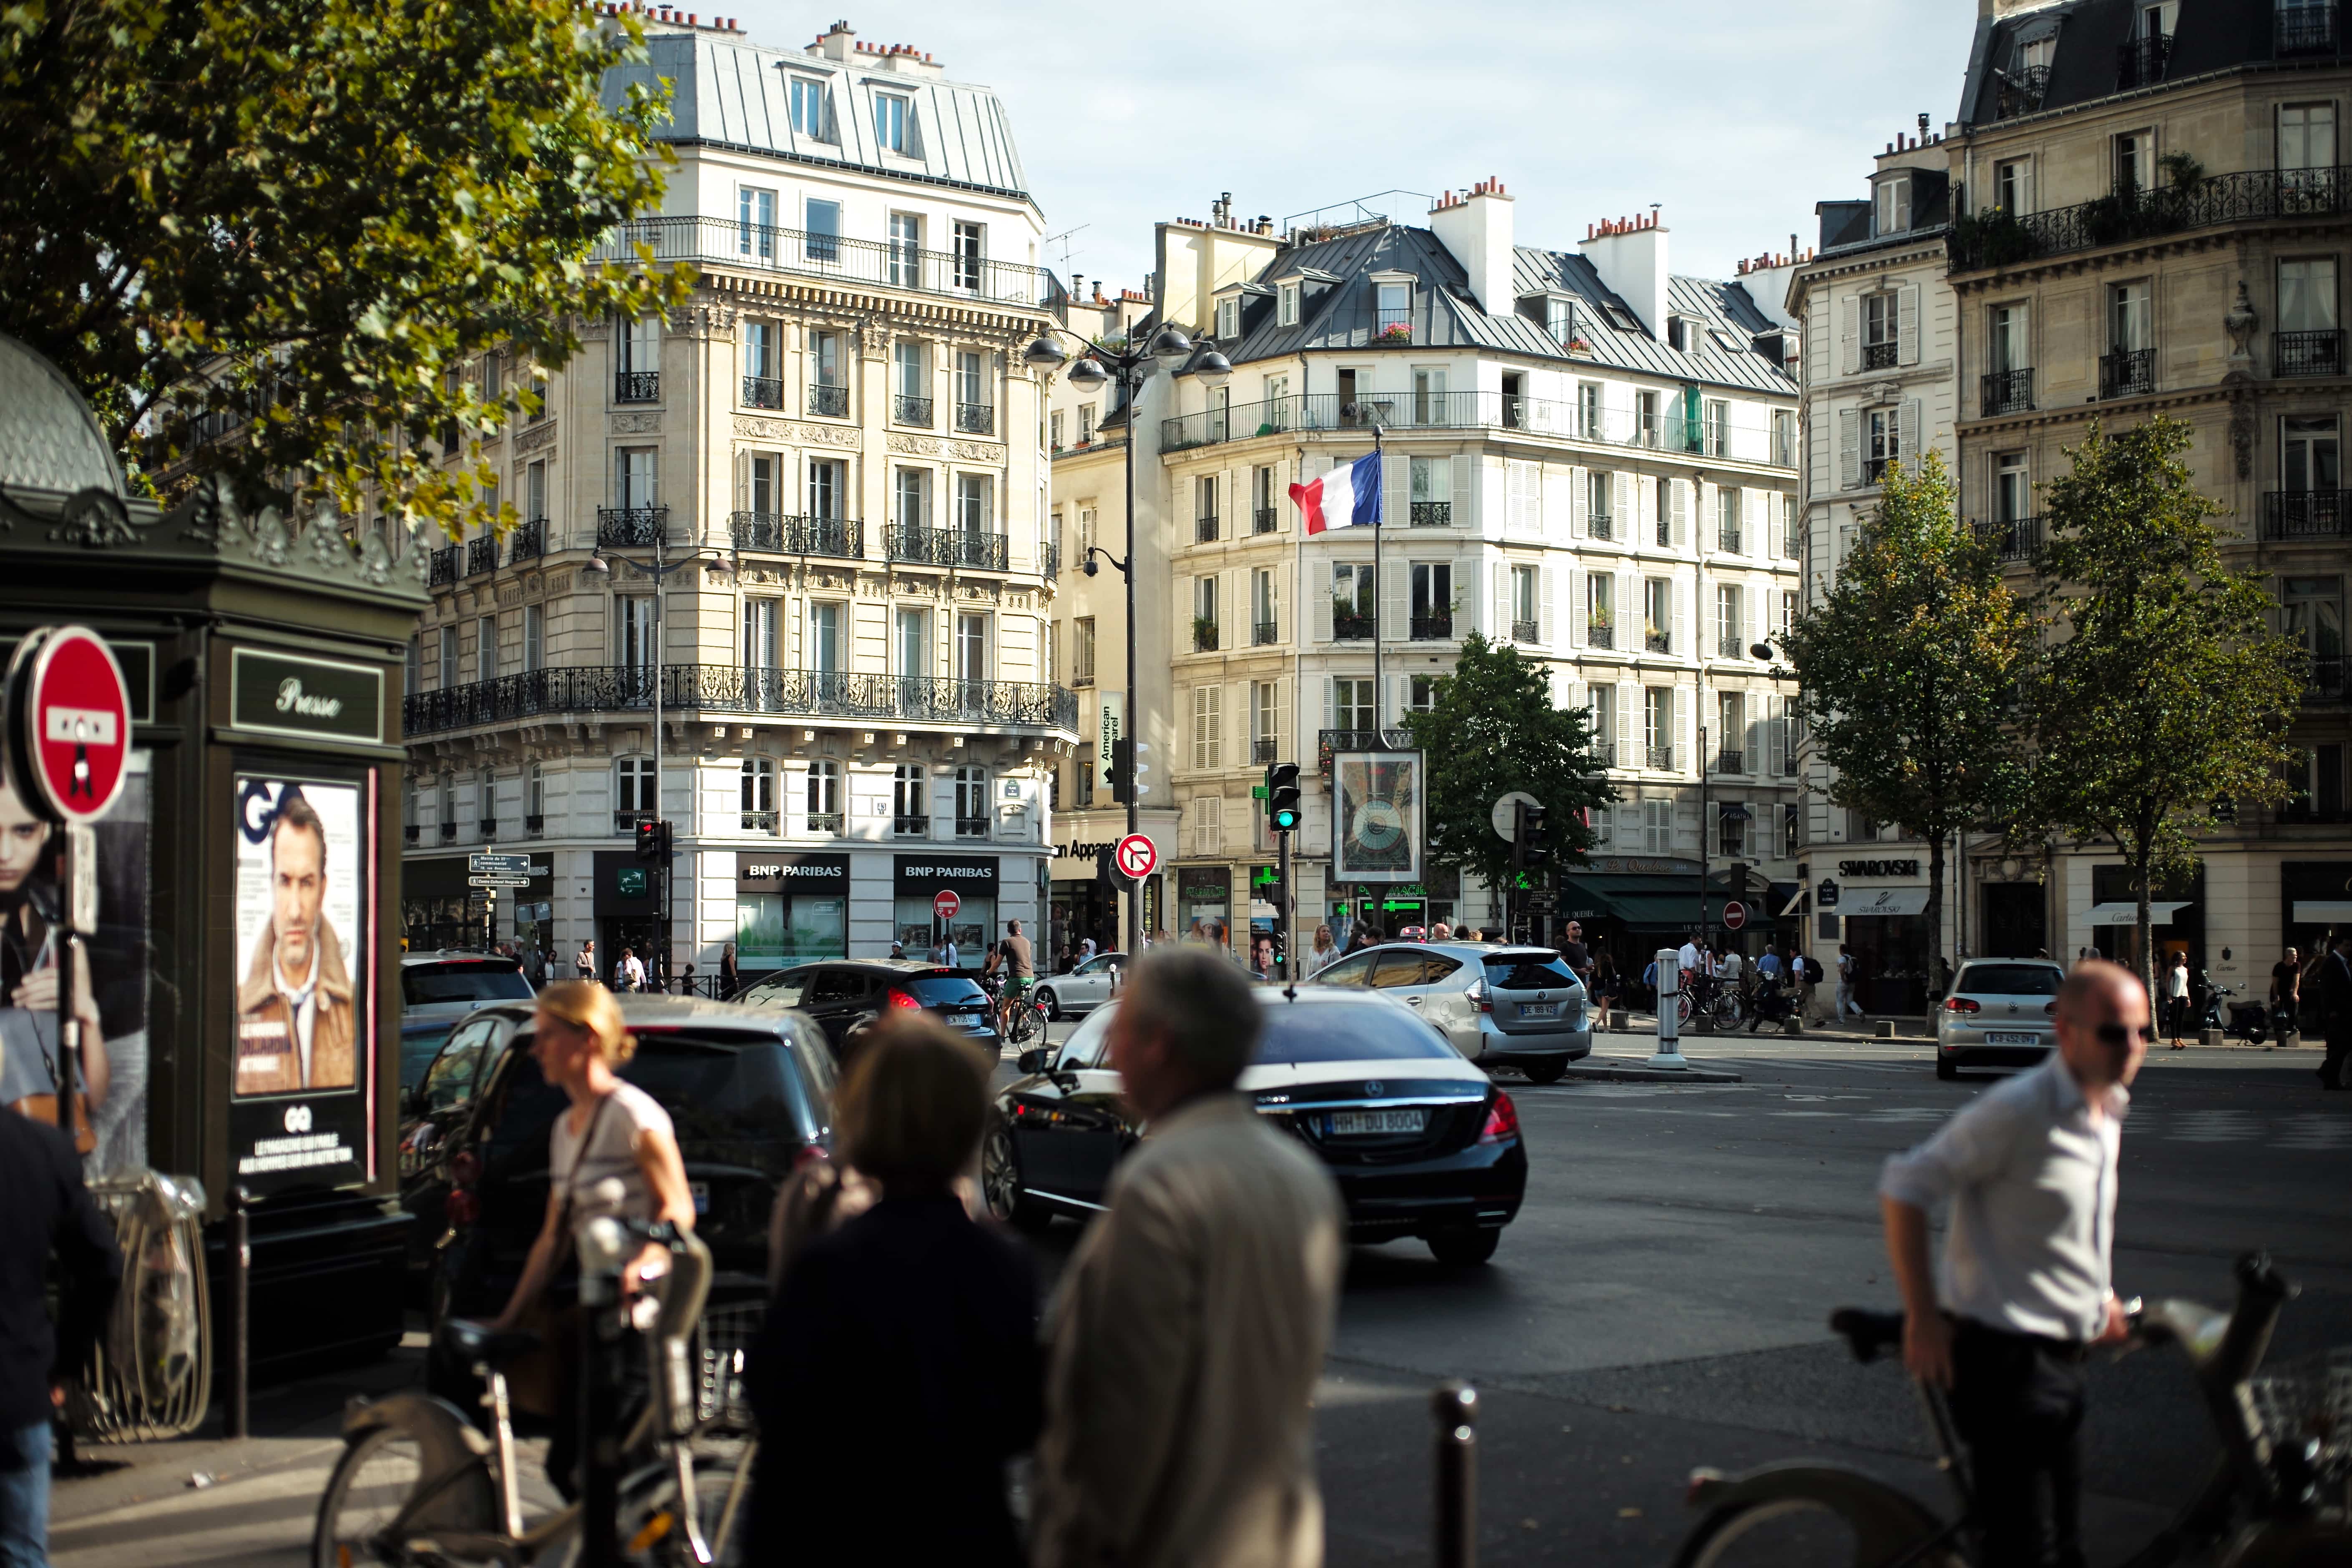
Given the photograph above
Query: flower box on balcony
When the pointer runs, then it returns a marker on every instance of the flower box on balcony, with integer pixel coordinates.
(1395, 332)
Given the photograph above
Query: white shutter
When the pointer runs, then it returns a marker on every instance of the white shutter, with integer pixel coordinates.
(1233, 610)
(1911, 453)
(1577, 633)
(1629, 612)
(1395, 603)
(1396, 495)
(1237, 724)
(1579, 520)
(1283, 748)
(1682, 643)
(1906, 328)
(1462, 468)
(1849, 334)
(1686, 757)
(1849, 448)
(1623, 510)
(1323, 701)
(1626, 740)
(1543, 606)
(1502, 632)
(1322, 601)
(1678, 496)
(1707, 497)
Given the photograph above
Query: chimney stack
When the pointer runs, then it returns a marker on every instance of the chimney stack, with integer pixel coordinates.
(1475, 226)
(1630, 254)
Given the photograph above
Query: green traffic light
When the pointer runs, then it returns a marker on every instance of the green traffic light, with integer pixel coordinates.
(1285, 821)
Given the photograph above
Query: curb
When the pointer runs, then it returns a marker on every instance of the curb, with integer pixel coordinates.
(1631, 1072)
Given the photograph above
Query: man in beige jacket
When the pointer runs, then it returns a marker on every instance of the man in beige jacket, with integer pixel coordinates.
(1192, 1325)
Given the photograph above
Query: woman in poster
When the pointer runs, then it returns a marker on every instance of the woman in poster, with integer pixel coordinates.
(29, 980)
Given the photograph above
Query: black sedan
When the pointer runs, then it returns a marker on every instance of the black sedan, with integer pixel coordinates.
(1420, 1143)
(846, 995)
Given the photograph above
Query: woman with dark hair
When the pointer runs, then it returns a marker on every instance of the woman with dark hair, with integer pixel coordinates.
(29, 908)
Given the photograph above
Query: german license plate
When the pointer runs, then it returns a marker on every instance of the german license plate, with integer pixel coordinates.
(1358, 1123)
(2012, 1040)
(701, 1191)
(1539, 1009)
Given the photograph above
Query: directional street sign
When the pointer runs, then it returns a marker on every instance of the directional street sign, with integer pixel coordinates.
(1136, 856)
(69, 723)
(498, 881)
(490, 864)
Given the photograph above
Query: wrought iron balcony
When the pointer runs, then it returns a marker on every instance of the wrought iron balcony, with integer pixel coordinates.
(909, 410)
(824, 822)
(946, 547)
(632, 527)
(757, 821)
(1263, 633)
(975, 418)
(1351, 628)
(1430, 629)
(1053, 559)
(1604, 754)
(534, 826)
(2012, 538)
(1730, 762)
(529, 540)
(1204, 530)
(764, 248)
(1662, 759)
(788, 535)
(904, 826)
(1431, 513)
(1261, 750)
(2301, 30)
(1994, 239)
(2307, 514)
(1525, 632)
(764, 392)
(2125, 372)
(441, 566)
(1727, 538)
(731, 688)
(971, 826)
(481, 555)
(636, 387)
(1329, 742)
(2311, 353)
(2009, 392)
(1730, 645)
(827, 400)
(625, 822)
(1878, 357)
(1598, 634)
(1261, 521)
(1657, 642)
(2323, 677)
(448, 833)
(2140, 63)
(408, 833)
(1601, 527)
(489, 826)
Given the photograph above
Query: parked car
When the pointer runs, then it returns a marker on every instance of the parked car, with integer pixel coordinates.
(1501, 1006)
(1420, 1142)
(844, 995)
(2001, 1012)
(443, 987)
(749, 1092)
(1082, 990)
(420, 1042)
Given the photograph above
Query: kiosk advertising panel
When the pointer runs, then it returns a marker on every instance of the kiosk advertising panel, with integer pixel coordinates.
(305, 1030)
(1376, 821)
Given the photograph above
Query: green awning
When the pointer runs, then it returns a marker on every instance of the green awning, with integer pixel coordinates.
(1643, 904)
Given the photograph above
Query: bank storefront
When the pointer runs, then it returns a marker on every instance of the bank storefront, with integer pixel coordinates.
(789, 909)
(917, 881)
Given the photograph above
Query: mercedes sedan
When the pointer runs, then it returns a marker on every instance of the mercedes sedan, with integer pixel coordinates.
(1420, 1143)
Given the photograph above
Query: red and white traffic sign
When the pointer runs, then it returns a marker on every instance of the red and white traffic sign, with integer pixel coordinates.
(1734, 913)
(1136, 856)
(945, 903)
(68, 723)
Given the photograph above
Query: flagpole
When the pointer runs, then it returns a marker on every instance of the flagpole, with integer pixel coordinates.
(1379, 583)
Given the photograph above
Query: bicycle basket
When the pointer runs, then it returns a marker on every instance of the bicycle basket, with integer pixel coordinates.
(2307, 1398)
(721, 1340)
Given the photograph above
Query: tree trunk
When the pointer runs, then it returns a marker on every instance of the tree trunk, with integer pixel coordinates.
(1935, 916)
(2145, 935)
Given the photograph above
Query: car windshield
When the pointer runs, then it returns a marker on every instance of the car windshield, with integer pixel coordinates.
(487, 981)
(1301, 1032)
(719, 1095)
(941, 990)
(2009, 980)
(1527, 972)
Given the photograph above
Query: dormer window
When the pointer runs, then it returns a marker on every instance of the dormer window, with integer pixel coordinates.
(1892, 214)
(1392, 308)
(894, 123)
(1229, 318)
(1288, 306)
(1678, 334)
(811, 108)
(1559, 320)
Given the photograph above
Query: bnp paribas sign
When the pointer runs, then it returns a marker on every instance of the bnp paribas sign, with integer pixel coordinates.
(317, 698)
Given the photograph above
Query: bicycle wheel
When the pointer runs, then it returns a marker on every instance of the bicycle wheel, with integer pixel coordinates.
(1684, 1009)
(1780, 1531)
(1028, 1020)
(370, 1482)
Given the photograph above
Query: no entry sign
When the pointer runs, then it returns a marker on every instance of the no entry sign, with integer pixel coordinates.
(1136, 856)
(1735, 914)
(946, 903)
(68, 723)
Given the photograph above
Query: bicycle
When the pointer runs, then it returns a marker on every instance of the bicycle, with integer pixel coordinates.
(1707, 1000)
(419, 1484)
(2286, 1438)
(1018, 1016)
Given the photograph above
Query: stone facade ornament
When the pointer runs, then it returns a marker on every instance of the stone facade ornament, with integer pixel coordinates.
(2239, 323)
(636, 424)
(535, 437)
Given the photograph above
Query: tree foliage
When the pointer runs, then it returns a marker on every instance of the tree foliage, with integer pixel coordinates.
(1492, 729)
(2164, 689)
(266, 239)
(1909, 672)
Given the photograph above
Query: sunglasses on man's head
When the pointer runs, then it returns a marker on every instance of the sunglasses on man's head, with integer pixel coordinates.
(2117, 1034)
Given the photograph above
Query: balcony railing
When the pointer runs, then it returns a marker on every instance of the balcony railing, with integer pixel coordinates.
(1205, 636)
(1598, 634)
(907, 825)
(827, 400)
(2124, 372)
(2307, 514)
(481, 555)
(632, 527)
(1730, 762)
(1406, 411)
(1730, 645)
(450, 832)
(490, 828)
(1204, 530)
(1430, 629)
(1662, 759)
(1604, 754)
(2311, 353)
(1262, 519)
(1526, 632)
(2012, 538)
(1351, 628)
(2140, 63)
(441, 566)
(1262, 749)
(625, 822)
(2324, 675)
(1994, 239)
(1601, 527)
(946, 547)
(529, 540)
(409, 833)
(764, 392)
(1727, 539)
(720, 242)
(907, 410)
(2009, 392)
(1262, 632)
(636, 387)
(1431, 513)
(1329, 742)
(2302, 31)
(1053, 559)
(757, 821)
(731, 688)
(535, 824)
(791, 535)
(1878, 357)
(1657, 642)
(824, 822)
(975, 418)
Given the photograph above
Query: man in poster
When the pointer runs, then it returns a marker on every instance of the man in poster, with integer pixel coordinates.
(295, 1027)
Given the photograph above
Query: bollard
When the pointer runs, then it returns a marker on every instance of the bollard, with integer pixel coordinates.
(1456, 1406)
(1670, 985)
(240, 1311)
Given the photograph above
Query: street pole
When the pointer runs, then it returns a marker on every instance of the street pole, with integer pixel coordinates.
(1702, 842)
(1282, 919)
(1667, 965)
(1379, 583)
(1134, 383)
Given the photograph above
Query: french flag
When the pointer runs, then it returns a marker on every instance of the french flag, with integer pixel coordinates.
(1347, 497)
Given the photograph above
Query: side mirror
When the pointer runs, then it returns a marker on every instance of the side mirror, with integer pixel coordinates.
(1036, 1060)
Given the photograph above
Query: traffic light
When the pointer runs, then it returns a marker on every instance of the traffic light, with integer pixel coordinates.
(1122, 771)
(1282, 808)
(653, 840)
(1534, 846)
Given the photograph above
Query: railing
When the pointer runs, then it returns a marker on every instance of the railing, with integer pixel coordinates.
(906, 410)
(764, 392)
(975, 418)
(1995, 239)
(1792, 540)
(2302, 31)
(758, 821)
(1662, 759)
(2140, 63)
(408, 833)
(2324, 675)
(1053, 559)
(1601, 527)
(632, 527)
(762, 247)
(1351, 628)
(1727, 539)
(824, 822)
(1657, 642)
(1261, 750)
(625, 822)
(636, 387)
(441, 566)
(481, 555)
(489, 826)
(448, 833)
(2009, 392)
(971, 826)
(1389, 325)
(946, 547)
(1204, 530)
(828, 402)
(2311, 353)
(1408, 411)
(1431, 513)
(1878, 357)
(1204, 638)
(1526, 632)
(534, 826)
(529, 540)
(1730, 762)
(1788, 768)
(1604, 754)
(1429, 628)
(905, 827)
(2307, 514)
(1874, 469)
(1262, 632)
(1328, 741)
(2012, 538)
(2123, 372)
(793, 536)
(729, 689)
(1729, 645)
(2021, 91)
(1262, 519)
(1598, 634)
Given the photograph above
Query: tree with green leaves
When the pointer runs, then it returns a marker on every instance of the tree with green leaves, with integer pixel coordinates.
(268, 240)
(2164, 690)
(1907, 673)
(1491, 728)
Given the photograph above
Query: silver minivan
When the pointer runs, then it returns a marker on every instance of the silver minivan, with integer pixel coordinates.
(1499, 1006)
(2001, 1012)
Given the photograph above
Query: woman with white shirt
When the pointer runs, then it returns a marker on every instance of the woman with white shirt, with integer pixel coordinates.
(613, 1152)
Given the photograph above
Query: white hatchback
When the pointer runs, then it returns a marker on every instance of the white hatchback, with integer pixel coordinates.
(1082, 990)
(2002, 1012)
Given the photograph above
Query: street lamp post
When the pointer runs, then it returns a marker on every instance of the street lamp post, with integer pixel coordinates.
(1129, 368)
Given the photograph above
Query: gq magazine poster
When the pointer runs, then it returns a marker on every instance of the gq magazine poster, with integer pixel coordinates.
(305, 1028)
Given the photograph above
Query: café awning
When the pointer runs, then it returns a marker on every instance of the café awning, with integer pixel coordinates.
(2123, 912)
(1643, 904)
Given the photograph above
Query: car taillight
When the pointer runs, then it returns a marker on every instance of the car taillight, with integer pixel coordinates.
(466, 1169)
(1480, 997)
(903, 999)
(1502, 1120)
(462, 1207)
(2050, 1011)
(1962, 1005)
(810, 1154)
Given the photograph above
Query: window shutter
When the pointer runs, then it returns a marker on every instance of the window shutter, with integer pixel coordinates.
(1396, 495)
(1626, 739)
(1623, 510)
(1461, 468)
(1906, 328)
(1579, 509)
(1630, 611)
(1778, 738)
(1911, 453)
(1579, 633)
(1710, 499)
(1502, 632)
(1543, 606)
(1394, 602)
(1682, 643)
(1322, 601)
(1678, 496)
(1686, 757)
(1849, 334)
(1237, 724)
(1323, 700)
(1849, 448)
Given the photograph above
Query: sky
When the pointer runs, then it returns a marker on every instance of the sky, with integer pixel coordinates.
(1734, 116)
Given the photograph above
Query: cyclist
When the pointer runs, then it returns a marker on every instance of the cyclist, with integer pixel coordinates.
(1013, 957)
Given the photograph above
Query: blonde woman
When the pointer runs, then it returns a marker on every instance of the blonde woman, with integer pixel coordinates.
(1324, 951)
(613, 1152)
